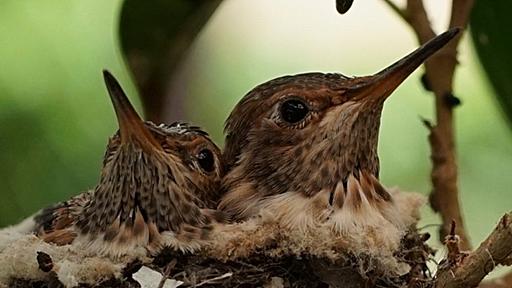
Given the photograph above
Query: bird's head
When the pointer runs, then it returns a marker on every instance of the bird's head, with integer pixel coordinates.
(162, 175)
(306, 132)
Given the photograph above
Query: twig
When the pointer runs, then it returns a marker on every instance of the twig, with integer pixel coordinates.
(401, 12)
(452, 242)
(477, 264)
(215, 279)
(440, 70)
(167, 272)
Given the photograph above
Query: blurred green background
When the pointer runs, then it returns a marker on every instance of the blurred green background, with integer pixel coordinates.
(55, 116)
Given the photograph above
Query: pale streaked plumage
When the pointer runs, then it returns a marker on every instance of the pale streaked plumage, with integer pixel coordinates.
(158, 186)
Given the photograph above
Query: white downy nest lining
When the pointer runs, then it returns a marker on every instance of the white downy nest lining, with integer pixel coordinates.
(258, 251)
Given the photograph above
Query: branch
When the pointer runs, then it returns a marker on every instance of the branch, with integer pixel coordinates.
(401, 12)
(418, 19)
(502, 282)
(440, 70)
(167, 272)
(476, 265)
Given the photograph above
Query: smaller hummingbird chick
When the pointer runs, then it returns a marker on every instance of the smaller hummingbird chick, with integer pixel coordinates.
(303, 149)
(158, 187)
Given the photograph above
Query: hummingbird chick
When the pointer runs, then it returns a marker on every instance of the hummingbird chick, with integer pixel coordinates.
(304, 148)
(158, 187)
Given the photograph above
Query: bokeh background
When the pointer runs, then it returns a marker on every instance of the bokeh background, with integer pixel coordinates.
(55, 116)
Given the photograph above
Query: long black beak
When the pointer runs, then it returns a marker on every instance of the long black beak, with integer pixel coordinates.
(382, 84)
(131, 126)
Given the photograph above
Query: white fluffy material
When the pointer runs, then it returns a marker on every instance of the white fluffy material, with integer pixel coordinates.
(18, 258)
(25, 227)
(366, 233)
(18, 252)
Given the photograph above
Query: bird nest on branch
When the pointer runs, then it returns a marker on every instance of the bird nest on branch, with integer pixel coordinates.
(258, 270)
(255, 253)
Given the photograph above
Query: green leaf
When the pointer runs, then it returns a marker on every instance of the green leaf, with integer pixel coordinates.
(490, 23)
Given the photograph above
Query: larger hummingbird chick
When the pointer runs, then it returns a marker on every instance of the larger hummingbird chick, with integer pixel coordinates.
(303, 148)
(158, 186)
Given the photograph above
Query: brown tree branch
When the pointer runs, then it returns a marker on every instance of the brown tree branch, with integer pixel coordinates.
(502, 282)
(399, 11)
(418, 19)
(440, 69)
(470, 271)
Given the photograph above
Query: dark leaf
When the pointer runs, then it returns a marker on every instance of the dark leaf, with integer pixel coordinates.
(155, 36)
(490, 25)
(343, 5)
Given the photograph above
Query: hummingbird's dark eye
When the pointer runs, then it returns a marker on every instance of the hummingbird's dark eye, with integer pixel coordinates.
(293, 110)
(206, 160)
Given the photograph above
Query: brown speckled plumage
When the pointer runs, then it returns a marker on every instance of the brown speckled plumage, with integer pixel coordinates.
(328, 152)
(152, 185)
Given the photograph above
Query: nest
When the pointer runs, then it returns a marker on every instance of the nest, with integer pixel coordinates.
(257, 253)
(261, 270)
